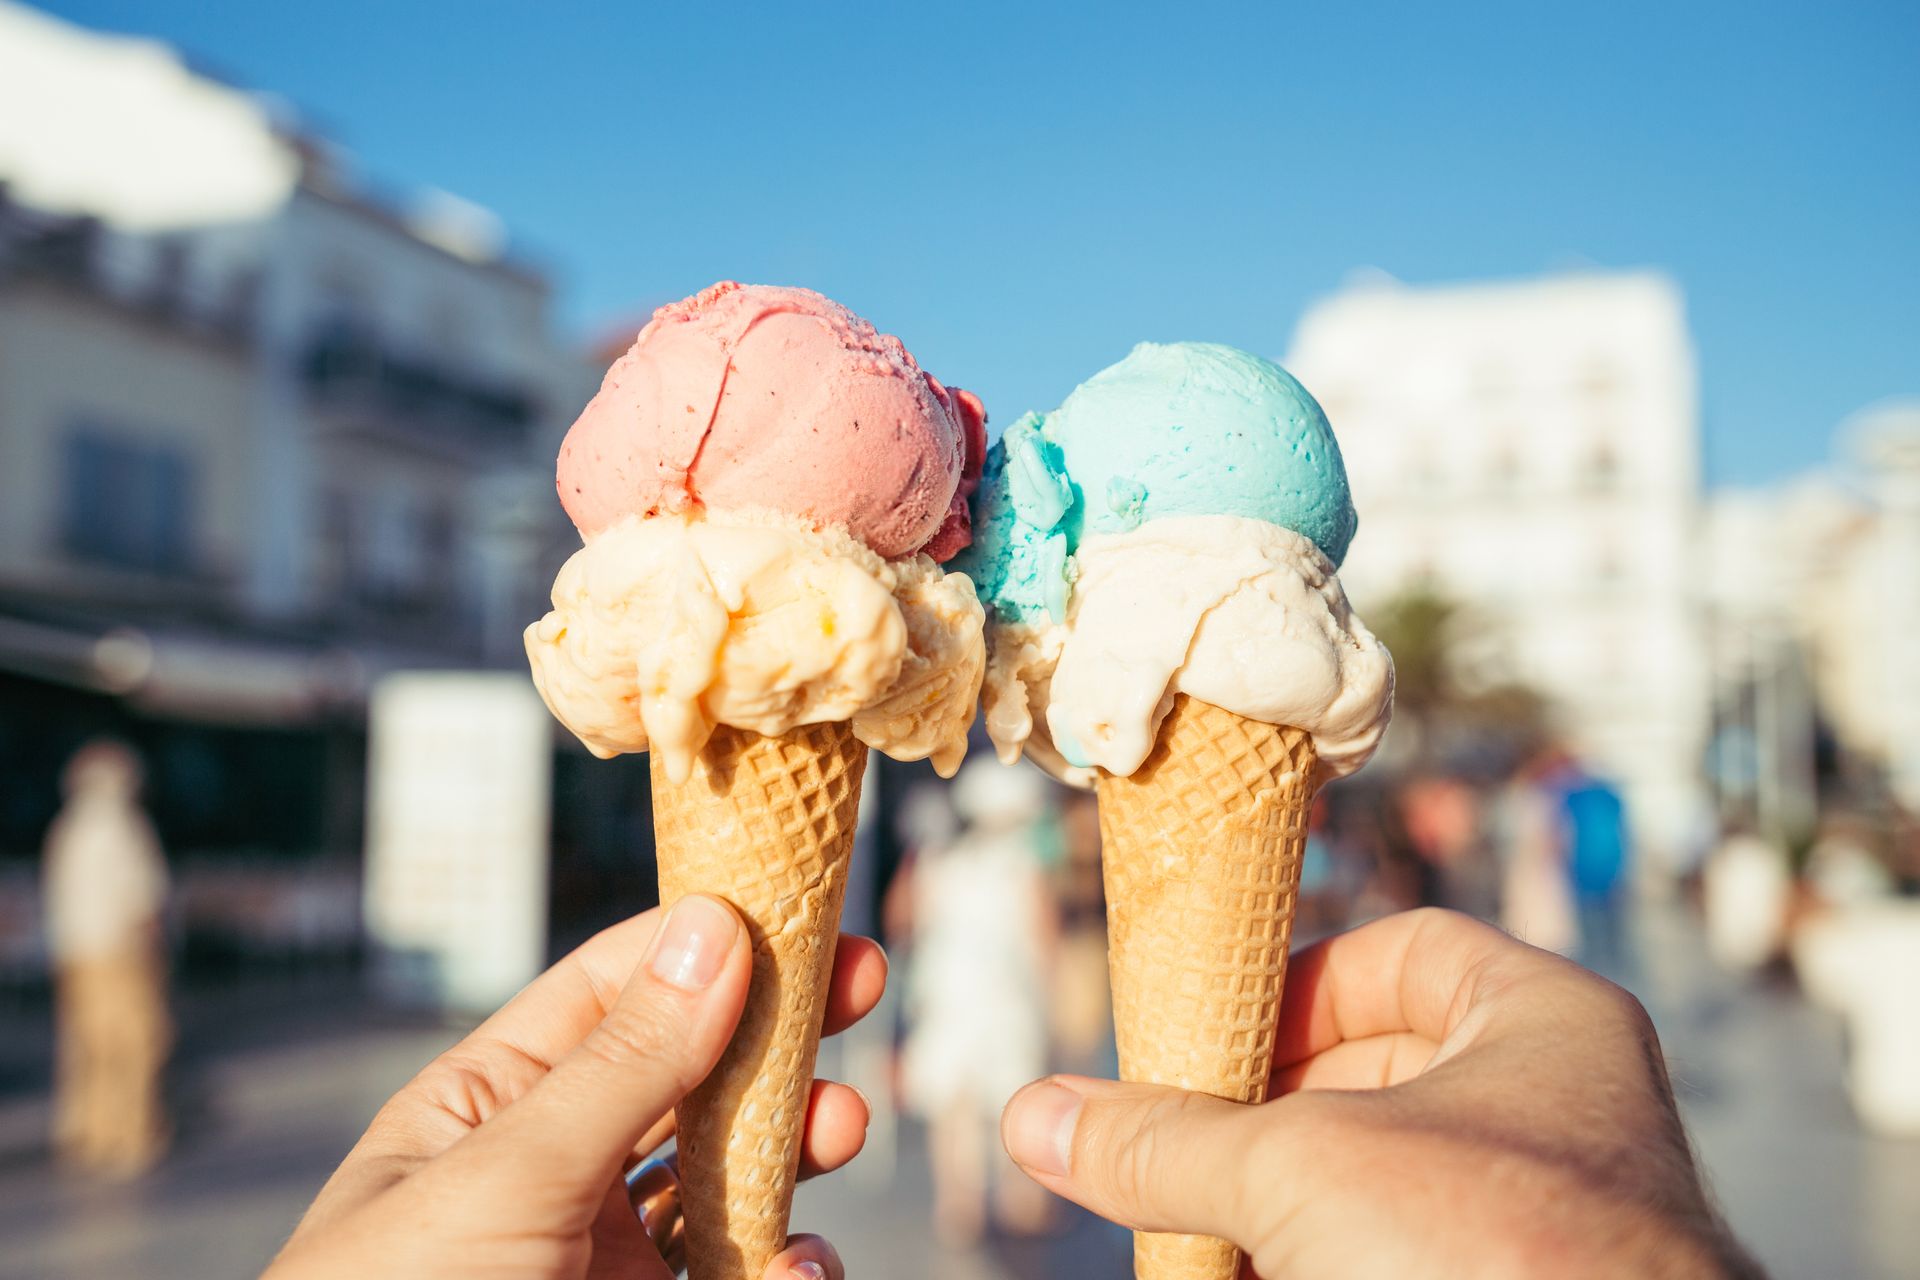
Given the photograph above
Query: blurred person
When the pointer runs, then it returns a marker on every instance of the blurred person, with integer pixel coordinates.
(1396, 877)
(1597, 854)
(926, 820)
(1443, 821)
(1859, 958)
(1904, 851)
(105, 888)
(1446, 1101)
(1082, 997)
(1529, 840)
(982, 932)
(1842, 869)
(506, 1155)
(1745, 890)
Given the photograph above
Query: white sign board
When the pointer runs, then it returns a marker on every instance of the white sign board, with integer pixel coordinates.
(459, 781)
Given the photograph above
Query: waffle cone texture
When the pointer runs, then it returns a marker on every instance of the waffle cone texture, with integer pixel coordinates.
(766, 823)
(1201, 852)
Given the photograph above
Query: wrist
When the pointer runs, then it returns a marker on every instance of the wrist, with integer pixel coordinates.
(1573, 1227)
(1434, 1204)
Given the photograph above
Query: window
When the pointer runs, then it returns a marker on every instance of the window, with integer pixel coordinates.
(345, 302)
(390, 566)
(439, 539)
(451, 332)
(1603, 469)
(336, 538)
(127, 503)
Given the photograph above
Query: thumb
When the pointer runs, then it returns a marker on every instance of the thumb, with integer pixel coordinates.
(1146, 1156)
(572, 1131)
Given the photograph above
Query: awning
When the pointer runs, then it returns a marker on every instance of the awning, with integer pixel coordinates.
(188, 675)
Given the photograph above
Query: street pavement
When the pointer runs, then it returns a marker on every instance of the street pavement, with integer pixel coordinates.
(1758, 1071)
(275, 1086)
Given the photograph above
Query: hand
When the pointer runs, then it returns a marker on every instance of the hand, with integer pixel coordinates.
(1446, 1101)
(504, 1157)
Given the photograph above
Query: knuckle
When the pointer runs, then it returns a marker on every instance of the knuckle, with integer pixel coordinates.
(1630, 1013)
(639, 1035)
(1141, 1155)
(1337, 1134)
(1608, 1004)
(1443, 920)
(464, 1084)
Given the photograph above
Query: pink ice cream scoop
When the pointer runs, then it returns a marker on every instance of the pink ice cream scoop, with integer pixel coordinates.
(757, 396)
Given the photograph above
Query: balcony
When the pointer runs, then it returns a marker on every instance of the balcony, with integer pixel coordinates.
(369, 389)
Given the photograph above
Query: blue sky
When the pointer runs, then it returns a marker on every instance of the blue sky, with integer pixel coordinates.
(1022, 191)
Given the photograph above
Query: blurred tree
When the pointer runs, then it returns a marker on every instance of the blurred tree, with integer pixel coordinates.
(1474, 725)
(1414, 625)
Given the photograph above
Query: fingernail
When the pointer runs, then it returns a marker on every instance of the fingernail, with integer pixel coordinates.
(693, 943)
(1040, 1125)
(808, 1270)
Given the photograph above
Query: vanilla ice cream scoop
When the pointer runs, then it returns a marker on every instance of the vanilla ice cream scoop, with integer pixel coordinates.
(665, 627)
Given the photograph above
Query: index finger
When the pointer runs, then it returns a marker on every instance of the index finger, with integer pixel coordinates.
(510, 1052)
(555, 1011)
(1419, 971)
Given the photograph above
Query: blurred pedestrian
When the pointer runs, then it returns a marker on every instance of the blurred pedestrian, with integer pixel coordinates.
(106, 892)
(983, 927)
(1597, 852)
(925, 822)
(1442, 817)
(1745, 890)
(1395, 876)
(1536, 898)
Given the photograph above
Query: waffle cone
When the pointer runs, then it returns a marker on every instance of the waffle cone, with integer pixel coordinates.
(1201, 852)
(767, 824)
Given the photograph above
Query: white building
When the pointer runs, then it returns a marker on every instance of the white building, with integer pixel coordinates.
(1531, 451)
(1782, 588)
(1887, 437)
(1884, 568)
(1825, 572)
(242, 400)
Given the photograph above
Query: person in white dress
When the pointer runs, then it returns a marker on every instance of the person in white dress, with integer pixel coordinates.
(105, 891)
(982, 929)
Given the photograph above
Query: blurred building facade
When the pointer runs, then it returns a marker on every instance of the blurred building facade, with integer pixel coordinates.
(1530, 451)
(1887, 437)
(1814, 600)
(267, 435)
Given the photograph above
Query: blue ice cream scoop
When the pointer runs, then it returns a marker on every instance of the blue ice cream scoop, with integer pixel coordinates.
(1175, 429)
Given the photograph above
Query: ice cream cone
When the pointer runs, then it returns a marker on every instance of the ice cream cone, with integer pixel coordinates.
(1201, 847)
(766, 823)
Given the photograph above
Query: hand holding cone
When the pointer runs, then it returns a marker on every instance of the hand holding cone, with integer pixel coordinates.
(1159, 556)
(758, 601)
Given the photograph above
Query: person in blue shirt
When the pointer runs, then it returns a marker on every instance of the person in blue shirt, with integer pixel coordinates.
(1598, 849)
